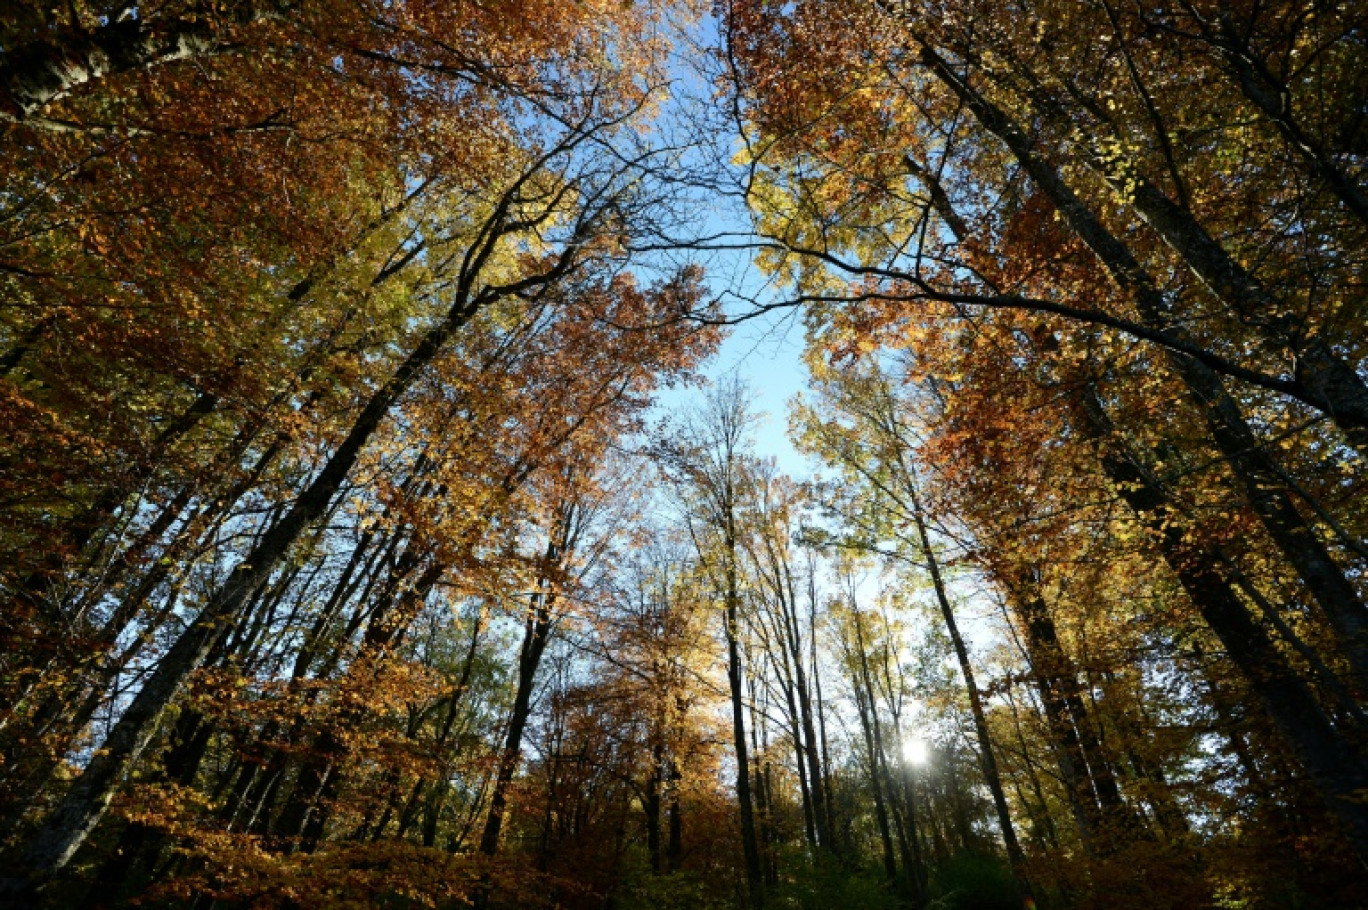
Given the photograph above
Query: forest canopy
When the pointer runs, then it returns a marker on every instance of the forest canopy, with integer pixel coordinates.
(377, 529)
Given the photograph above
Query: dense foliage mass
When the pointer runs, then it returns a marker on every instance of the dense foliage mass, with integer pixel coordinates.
(344, 561)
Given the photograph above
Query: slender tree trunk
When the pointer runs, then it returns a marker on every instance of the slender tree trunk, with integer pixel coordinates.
(816, 776)
(674, 850)
(749, 842)
(1045, 820)
(324, 775)
(34, 594)
(864, 706)
(800, 762)
(650, 807)
(1049, 668)
(824, 779)
(1317, 367)
(987, 760)
(908, 843)
(536, 634)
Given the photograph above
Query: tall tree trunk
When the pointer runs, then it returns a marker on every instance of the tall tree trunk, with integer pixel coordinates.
(824, 779)
(987, 759)
(1317, 367)
(1337, 769)
(304, 815)
(908, 843)
(650, 807)
(813, 761)
(864, 706)
(800, 762)
(1050, 669)
(536, 634)
(749, 843)
(674, 850)
(1042, 819)
(34, 594)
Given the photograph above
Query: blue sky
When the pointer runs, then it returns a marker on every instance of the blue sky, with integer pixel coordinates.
(765, 352)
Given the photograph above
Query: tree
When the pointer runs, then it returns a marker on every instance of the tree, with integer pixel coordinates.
(709, 464)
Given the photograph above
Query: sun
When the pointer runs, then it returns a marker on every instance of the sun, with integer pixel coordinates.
(915, 751)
